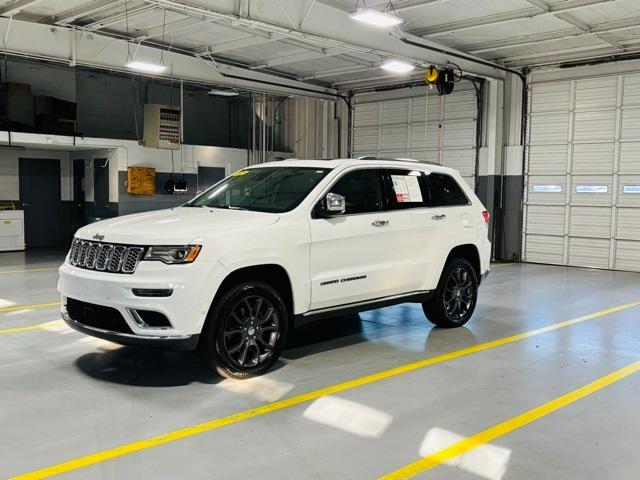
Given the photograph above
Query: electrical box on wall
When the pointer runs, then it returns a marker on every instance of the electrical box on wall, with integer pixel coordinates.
(161, 126)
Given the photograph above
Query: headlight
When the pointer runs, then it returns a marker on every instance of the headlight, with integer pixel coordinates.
(173, 254)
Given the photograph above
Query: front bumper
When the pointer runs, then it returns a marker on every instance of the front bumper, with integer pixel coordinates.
(187, 342)
(186, 309)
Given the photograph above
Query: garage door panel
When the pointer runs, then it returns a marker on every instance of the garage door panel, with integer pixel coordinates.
(395, 127)
(631, 85)
(365, 139)
(590, 222)
(459, 133)
(425, 155)
(394, 137)
(596, 93)
(548, 159)
(418, 138)
(395, 112)
(550, 97)
(366, 115)
(589, 158)
(595, 126)
(460, 105)
(629, 191)
(592, 190)
(462, 160)
(628, 224)
(629, 155)
(630, 129)
(546, 190)
(545, 249)
(418, 109)
(600, 222)
(589, 252)
(549, 128)
(627, 255)
(545, 220)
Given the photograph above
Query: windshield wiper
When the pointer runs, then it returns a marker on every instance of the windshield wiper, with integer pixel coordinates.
(228, 207)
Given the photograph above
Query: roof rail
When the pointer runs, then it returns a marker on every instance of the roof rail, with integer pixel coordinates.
(372, 157)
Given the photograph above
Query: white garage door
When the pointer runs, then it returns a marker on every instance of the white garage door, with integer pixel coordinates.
(396, 128)
(582, 198)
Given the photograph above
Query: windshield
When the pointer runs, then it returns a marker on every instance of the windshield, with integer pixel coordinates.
(266, 189)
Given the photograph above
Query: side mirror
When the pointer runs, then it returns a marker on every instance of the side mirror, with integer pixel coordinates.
(332, 204)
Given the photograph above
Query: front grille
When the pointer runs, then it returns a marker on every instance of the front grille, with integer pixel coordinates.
(105, 257)
(97, 316)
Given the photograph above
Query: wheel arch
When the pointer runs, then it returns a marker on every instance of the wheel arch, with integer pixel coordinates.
(469, 252)
(272, 273)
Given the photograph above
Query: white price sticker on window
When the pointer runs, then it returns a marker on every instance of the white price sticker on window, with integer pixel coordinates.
(406, 188)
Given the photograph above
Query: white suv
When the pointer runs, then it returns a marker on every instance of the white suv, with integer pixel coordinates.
(229, 272)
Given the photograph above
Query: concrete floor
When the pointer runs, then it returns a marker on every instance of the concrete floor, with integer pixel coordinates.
(64, 395)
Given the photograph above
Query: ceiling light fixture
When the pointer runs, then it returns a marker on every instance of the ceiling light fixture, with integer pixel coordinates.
(146, 67)
(376, 18)
(397, 66)
(223, 92)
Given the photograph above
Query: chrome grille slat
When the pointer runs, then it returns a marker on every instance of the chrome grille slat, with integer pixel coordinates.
(131, 259)
(109, 257)
(116, 258)
(103, 257)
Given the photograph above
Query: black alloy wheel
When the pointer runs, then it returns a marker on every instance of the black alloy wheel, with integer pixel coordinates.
(245, 331)
(455, 298)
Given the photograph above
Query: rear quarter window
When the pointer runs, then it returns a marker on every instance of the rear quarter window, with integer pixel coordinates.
(444, 191)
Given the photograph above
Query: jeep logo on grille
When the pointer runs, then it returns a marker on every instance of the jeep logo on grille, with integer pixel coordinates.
(98, 237)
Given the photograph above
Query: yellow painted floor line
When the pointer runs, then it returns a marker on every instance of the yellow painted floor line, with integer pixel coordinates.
(14, 308)
(186, 432)
(486, 436)
(39, 326)
(27, 270)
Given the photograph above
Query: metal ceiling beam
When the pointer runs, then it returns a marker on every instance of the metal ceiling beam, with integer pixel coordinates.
(557, 35)
(334, 72)
(67, 45)
(531, 12)
(72, 14)
(299, 57)
(239, 44)
(567, 55)
(566, 17)
(13, 8)
(172, 27)
(118, 18)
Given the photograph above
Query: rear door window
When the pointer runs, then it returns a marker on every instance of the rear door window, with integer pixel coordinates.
(444, 191)
(404, 189)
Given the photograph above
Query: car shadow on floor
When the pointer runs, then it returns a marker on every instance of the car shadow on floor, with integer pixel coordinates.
(146, 367)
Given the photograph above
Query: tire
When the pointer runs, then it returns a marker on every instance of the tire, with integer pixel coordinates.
(245, 331)
(455, 297)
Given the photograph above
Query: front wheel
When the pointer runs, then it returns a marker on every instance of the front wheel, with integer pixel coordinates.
(246, 331)
(456, 296)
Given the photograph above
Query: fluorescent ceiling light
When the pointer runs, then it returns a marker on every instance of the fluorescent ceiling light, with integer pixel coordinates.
(146, 67)
(376, 17)
(397, 66)
(223, 93)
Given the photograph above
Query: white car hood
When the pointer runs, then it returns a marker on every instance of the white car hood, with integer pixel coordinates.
(173, 226)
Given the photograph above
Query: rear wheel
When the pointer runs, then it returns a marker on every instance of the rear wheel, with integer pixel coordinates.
(456, 296)
(246, 331)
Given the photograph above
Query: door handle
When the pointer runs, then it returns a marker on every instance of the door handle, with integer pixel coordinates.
(439, 217)
(380, 223)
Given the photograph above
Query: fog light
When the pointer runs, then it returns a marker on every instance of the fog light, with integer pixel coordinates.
(152, 292)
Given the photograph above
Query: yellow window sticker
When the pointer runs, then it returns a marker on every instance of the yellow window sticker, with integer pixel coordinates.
(239, 173)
